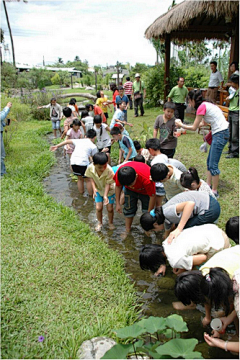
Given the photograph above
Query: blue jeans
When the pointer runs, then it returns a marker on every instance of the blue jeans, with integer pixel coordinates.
(219, 140)
(55, 124)
(209, 217)
(3, 154)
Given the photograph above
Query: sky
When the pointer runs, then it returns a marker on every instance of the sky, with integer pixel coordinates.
(102, 32)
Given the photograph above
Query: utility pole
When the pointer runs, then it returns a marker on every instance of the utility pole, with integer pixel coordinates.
(10, 32)
(117, 74)
(96, 79)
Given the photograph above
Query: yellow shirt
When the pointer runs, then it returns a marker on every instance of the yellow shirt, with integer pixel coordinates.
(103, 180)
(100, 102)
(228, 259)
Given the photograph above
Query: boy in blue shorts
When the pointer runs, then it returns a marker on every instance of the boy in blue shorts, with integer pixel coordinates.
(101, 176)
(126, 147)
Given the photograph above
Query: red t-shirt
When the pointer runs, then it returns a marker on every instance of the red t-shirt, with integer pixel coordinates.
(98, 111)
(143, 184)
(116, 93)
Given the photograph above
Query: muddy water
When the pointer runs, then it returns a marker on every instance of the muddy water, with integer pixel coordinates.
(156, 295)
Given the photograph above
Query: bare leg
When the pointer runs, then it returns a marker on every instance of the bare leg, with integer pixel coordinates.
(110, 215)
(55, 133)
(215, 180)
(178, 305)
(99, 208)
(80, 184)
(60, 132)
(209, 178)
(128, 223)
(159, 200)
(89, 186)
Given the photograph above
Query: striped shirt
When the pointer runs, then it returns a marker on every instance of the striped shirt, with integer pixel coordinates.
(128, 87)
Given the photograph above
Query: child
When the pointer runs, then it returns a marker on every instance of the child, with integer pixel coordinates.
(97, 111)
(170, 177)
(73, 106)
(87, 120)
(123, 130)
(101, 175)
(233, 118)
(84, 149)
(127, 149)
(73, 133)
(184, 252)
(143, 152)
(211, 284)
(134, 176)
(55, 115)
(166, 125)
(121, 97)
(67, 112)
(103, 139)
(232, 229)
(118, 116)
(190, 180)
(102, 102)
(140, 158)
(187, 209)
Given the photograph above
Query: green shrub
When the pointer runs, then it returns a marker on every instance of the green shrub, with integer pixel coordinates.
(56, 79)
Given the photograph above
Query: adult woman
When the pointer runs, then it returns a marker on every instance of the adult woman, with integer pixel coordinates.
(220, 133)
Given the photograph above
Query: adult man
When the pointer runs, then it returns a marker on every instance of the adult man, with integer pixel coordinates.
(4, 114)
(138, 92)
(178, 96)
(128, 91)
(215, 80)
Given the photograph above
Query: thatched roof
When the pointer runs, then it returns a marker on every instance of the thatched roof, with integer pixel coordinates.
(196, 20)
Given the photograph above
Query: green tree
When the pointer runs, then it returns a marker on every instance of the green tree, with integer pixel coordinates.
(139, 68)
(8, 76)
(60, 60)
(56, 79)
(77, 58)
(40, 78)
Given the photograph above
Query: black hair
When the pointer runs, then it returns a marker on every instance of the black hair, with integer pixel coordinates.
(98, 94)
(115, 131)
(67, 112)
(159, 172)
(151, 257)
(187, 287)
(91, 134)
(197, 96)
(234, 78)
(235, 63)
(187, 177)
(139, 158)
(147, 220)
(113, 87)
(217, 287)
(153, 143)
(84, 114)
(181, 77)
(72, 102)
(126, 175)
(232, 228)
(214, 63)
(100, 158)
(128, 78)
(120, 103)
(88, 107)
(137, 145)
(97, 119)
(53, 99)
(121, 88)
(76, 122)
(169, 105)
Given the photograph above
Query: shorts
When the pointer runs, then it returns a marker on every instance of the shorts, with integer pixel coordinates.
(106, 115)
(160, 191)
(109, 149)
(79, 170)
(99, 198)
(55, 124)
(131, 200)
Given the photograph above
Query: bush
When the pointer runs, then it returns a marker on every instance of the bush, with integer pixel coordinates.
(8, 76)
(56, 79)
(154, 84)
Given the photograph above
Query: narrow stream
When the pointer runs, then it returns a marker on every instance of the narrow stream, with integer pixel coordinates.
(156, 295)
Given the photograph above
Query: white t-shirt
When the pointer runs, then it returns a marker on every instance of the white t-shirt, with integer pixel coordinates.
(213, 115)
(118, 115)
(88, 121)
(103, 140)
(173, 186)
(84, 148)
(195, 240)
(163, 159)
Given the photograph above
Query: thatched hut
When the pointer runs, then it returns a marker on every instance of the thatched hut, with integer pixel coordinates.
(196, 21)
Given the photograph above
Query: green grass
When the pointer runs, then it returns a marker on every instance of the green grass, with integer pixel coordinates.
(59, 280)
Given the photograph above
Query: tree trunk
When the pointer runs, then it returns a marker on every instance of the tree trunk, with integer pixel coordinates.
(10, 32)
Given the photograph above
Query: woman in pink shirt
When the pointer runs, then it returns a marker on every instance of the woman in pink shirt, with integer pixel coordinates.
(208, 113)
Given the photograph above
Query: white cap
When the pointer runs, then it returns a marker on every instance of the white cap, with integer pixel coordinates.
(137, 75)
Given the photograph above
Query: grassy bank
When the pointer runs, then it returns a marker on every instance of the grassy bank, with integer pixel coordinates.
(59, 280)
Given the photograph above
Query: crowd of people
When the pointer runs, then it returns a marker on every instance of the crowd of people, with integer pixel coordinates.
(173, 198)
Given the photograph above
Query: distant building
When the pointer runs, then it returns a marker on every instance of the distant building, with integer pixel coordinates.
(25, 67)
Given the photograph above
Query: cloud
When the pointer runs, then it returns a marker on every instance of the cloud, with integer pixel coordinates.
(100, 31)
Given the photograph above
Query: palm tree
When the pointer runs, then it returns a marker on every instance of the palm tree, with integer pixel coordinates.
(9, 27)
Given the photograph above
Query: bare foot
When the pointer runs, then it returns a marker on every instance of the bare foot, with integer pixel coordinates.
(111, 227)
(178, 305)
(124, 235)
(98, 227)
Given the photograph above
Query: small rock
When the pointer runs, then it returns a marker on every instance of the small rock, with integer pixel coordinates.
(95, 348)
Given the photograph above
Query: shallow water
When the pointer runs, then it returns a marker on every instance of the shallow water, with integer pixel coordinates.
(156, 295)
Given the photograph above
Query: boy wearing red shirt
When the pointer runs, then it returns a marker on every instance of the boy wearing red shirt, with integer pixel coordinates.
(134, 176)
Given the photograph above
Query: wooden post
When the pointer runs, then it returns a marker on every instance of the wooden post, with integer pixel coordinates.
(234, 51)
(71, 82)
(167, 66)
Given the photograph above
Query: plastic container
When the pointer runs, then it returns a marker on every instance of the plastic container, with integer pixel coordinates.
(216, 324)
(183, 131)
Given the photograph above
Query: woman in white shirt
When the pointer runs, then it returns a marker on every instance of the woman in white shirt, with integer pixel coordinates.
(208, 113)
